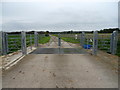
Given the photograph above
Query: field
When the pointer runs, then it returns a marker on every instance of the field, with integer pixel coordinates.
(71, 40)
(14, 41)
(44, 40)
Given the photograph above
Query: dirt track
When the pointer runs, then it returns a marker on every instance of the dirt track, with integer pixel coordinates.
(60, 71)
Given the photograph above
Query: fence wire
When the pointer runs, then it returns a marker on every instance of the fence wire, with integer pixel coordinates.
(13, 42)
(104, 41)
(29, 40)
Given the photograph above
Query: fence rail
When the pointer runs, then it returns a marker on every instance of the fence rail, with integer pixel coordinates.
(19, 42)
(11, 42)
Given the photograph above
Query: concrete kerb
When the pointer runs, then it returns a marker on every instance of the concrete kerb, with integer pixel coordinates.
(15, 61)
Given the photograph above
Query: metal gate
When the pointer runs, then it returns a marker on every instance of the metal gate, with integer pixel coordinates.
(69, 43)
(58, 43)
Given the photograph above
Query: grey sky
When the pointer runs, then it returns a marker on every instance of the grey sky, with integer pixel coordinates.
(57, 16)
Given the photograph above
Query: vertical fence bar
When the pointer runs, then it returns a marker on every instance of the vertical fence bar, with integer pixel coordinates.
(36, 39)
(7, 43)
(23, 43)
(4, 44)
(1, 43)
(59, 43)
(95, 42)
(82, 39)
(113, 42)
(30, 41)
(59, 40)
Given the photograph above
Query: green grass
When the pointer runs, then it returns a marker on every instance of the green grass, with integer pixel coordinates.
(55, 35)
(44, 40)
(71, 40)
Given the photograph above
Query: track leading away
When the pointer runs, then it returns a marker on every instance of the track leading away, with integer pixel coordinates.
(60, 71)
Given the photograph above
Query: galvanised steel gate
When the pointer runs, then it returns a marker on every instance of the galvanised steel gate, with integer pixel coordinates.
(20, 42)
(15, 42)
(100, 41)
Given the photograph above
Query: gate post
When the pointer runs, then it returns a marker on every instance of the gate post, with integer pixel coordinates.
(23, 43)
(59, 40)
(4, 46)
(36, 39)
(30, 41)
(0, 42)
(113, 42)
(95, 43)
(82, 39)
(7, 43)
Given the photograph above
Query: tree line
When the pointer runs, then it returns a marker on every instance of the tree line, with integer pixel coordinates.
(110, 30)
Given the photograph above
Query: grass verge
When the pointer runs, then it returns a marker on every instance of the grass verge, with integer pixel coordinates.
(71, 40)
(44, 40)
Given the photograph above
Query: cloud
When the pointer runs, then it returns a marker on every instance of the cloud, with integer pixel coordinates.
(58, 1)
(59, 16)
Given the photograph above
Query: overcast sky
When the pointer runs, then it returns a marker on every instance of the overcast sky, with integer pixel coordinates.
(59, 15)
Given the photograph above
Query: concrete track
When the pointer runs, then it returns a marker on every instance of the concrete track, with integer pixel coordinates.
(60, 71)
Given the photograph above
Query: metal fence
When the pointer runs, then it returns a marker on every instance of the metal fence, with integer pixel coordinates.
(10, 43)
(98, 41)
(0, 43)
(16, 42)
(29, 40)
(13, 42)
(104, 42)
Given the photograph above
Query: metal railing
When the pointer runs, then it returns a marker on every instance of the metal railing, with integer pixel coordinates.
(10, 42)
(106, 42)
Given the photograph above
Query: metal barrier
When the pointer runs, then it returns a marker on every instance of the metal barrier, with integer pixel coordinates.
(30, 40)
(95, 43)
(23, 43)
(82, 39)
(0, 43)
(10, 42)
(106, 42)
(113, 42)
(36, 39)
